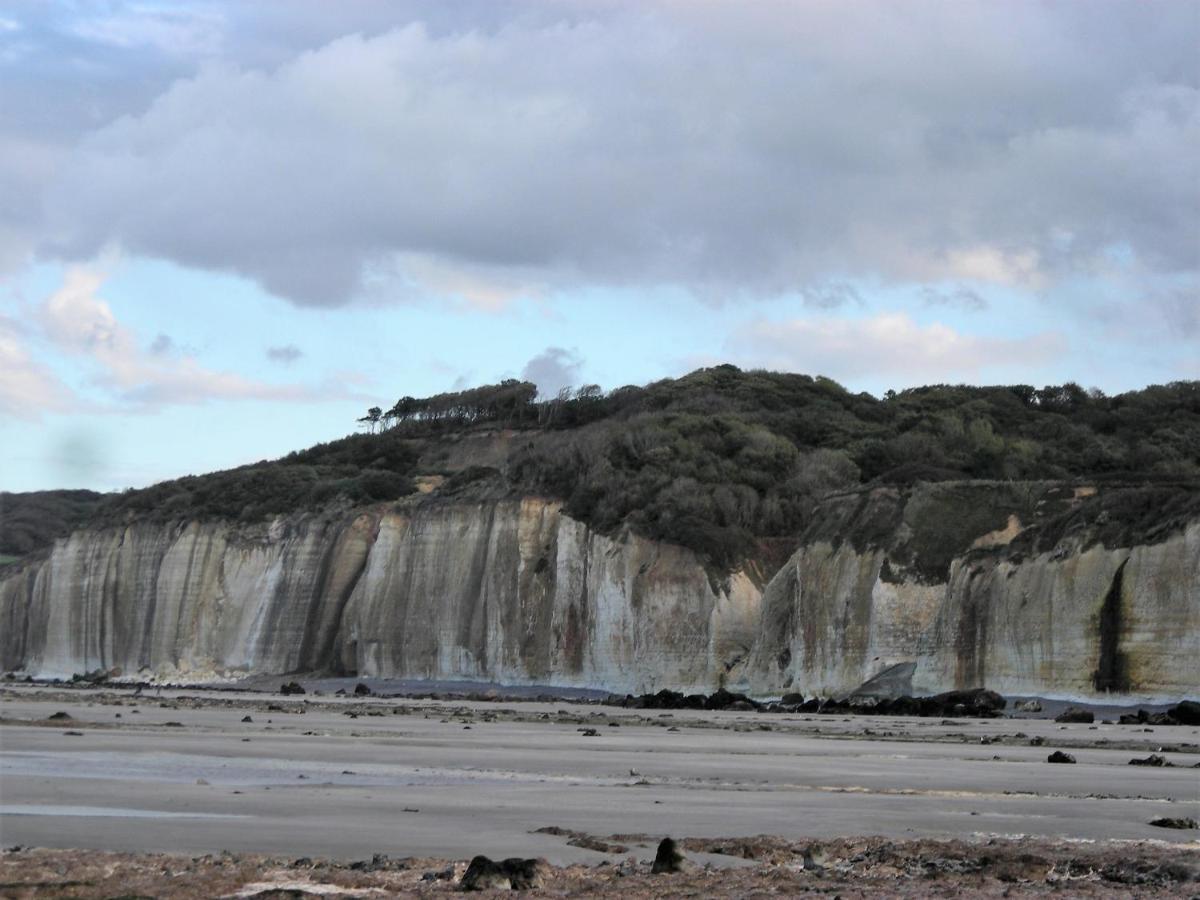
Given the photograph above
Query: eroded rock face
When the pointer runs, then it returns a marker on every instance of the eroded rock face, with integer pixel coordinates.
(509, 591)
(1078, 618)
(515, 591)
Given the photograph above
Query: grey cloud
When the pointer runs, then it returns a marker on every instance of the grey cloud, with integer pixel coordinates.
(960, 297)
(553, 369)
(162, 345)
(831, 296)
(734, 151)
(284, 355)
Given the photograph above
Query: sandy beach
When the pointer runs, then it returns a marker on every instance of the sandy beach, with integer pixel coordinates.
(342, 779)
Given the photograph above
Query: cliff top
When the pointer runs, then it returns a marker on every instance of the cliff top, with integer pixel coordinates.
(720, 460)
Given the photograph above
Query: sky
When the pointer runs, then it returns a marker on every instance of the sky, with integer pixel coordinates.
(226, 229)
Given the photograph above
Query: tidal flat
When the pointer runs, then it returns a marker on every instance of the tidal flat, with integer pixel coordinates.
(391, 793)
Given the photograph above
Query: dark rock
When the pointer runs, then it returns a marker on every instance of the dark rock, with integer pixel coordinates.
(792, 699)
(1151, 760)
(1036, 741)
(1075, 716)
(1059, 757)
(379, 861)
(977, 703)
(247, 719)
(514, 873)
(59, 716)
(903, 706)
(291, 687)
(361, 690)
(668, 859)
(1185, 824)
(1133, 718)
(723, 699)
(1185, 713)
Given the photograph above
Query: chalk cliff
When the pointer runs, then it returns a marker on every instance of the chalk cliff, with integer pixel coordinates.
(1015, 612)
(972, 583)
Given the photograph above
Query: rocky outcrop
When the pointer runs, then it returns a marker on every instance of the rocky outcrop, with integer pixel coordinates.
(509, 591)
(937, 588)
(1028, 610)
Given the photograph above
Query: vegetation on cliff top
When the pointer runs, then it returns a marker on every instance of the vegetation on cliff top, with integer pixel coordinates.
(719, 460)
(33, 520)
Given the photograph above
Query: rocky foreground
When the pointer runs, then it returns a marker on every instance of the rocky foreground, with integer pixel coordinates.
(848, 867)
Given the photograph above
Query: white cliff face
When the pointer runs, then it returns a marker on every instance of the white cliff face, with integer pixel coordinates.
(512, 591)
(1054, 624)
(517, 592)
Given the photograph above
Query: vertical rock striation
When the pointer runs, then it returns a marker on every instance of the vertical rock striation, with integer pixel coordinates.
(515, 591)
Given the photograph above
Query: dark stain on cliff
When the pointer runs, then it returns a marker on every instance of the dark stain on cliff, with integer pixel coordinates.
(971, 640)
(1112, 670)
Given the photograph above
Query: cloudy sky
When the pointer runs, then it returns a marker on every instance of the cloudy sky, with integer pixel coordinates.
(227, 228)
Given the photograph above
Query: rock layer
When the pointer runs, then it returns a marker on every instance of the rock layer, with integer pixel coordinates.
(515, 591)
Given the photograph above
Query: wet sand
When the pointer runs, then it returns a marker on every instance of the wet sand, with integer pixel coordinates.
(346, 778)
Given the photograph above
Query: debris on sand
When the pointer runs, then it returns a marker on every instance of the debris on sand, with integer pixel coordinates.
(852, 866)
(1165, 822)
(1152, 760)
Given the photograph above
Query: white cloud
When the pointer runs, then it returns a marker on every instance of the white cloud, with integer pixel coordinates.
(77, 321)
(28, 389)
(552, 370)
(889, 345)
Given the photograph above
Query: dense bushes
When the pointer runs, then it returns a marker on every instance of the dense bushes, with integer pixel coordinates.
(254, 492)
(33, 520)
(718, 460)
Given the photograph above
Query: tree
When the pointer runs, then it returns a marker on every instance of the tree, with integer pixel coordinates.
(372, 418)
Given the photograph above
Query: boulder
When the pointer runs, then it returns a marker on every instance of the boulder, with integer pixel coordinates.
(723, 699)
(1075, 716)
(1059, 757)
(361, 690)
(291, 687)
(1028, 706)
(978, 702)
(509, 874)
(1185, 713)
(668, 859)
(792, 699)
